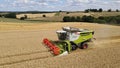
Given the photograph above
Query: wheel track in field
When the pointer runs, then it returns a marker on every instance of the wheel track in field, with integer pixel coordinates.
(14, 62)
(24, 57)
(29, 53)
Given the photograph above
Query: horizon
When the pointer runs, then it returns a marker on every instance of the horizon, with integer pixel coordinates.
(56, 5)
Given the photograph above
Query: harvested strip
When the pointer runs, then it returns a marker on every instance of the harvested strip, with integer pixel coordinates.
(22, 54)
(23, 58)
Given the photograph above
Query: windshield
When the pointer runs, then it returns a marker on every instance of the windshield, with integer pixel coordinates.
(62, 36)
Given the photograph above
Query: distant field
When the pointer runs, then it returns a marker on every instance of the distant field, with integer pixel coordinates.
(54, 17)
(36, 15)
(59, 16)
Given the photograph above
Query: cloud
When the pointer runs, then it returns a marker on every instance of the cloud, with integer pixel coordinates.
(54, 0)
(84, 4)
(58, 4)
(82, 1)
(1, 5)
(22, 1)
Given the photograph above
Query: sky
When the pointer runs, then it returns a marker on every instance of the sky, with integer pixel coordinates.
(56, 5)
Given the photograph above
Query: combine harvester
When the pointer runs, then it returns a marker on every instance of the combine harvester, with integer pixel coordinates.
(69, 39)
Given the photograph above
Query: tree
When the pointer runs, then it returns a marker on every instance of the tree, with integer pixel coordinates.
(0, 15)
(10, 15)
(66, 19)
(99, 21)
(94, 10)
(44, 15)
(87, 18)
(112, 20)
(25, 16)
(90, 19)
(60, 10)
(109, 10)
(101, 18)
(22, 18)
(118, 19)
(86, 11)
(117, 10)
(84, 18)
(78, 19)
(72, 19)
(100, 10)
(67, 12)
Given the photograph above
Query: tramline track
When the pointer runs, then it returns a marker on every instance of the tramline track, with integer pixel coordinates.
(24, 57)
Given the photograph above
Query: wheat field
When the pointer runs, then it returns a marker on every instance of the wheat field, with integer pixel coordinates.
(21, 46)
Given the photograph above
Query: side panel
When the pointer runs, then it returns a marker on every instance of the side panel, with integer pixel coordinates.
(74, 36)
(83, 37)
(69, 45)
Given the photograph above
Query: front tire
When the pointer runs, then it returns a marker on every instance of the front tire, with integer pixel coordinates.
(74, 47)
(84, 45)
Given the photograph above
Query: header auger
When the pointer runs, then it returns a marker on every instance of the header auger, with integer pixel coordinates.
(69, 39)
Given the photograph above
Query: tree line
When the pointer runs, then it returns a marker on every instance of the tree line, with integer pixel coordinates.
(98, 10)
(13, 15)
(101, 19)
(9, 15)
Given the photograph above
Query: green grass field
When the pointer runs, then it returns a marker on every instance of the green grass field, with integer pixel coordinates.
(19, 21)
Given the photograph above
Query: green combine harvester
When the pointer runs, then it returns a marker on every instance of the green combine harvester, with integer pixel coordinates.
(69, 39)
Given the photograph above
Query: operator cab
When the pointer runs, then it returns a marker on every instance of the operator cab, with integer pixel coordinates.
(68, 33)
(71, 33)
(62, 35)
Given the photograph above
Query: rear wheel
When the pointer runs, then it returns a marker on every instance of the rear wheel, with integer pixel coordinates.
(84, 45)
